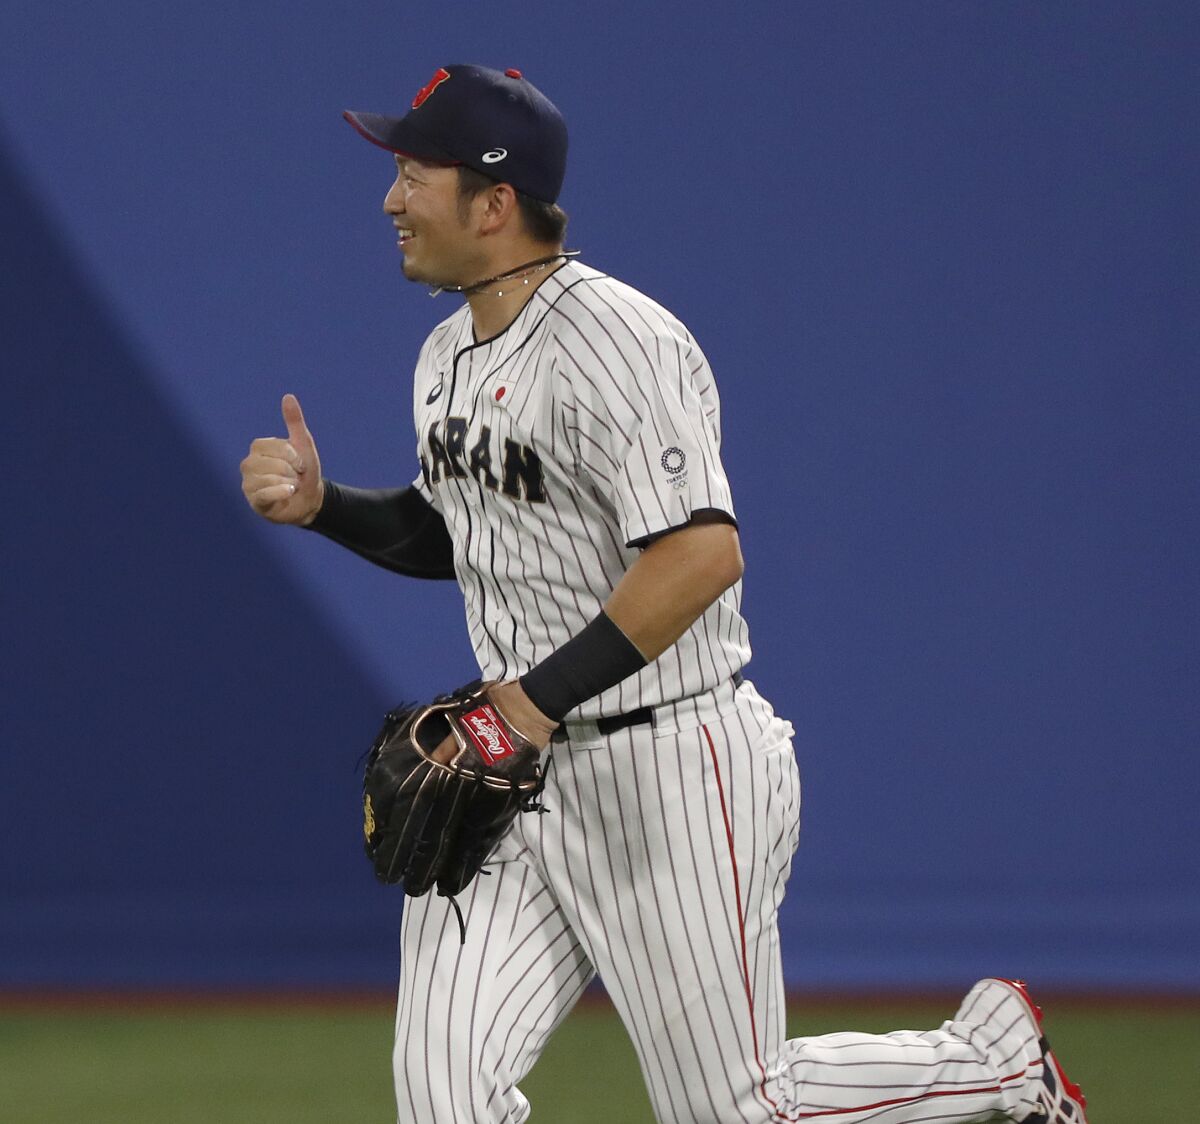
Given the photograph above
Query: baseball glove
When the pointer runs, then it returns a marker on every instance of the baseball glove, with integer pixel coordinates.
(428, 823)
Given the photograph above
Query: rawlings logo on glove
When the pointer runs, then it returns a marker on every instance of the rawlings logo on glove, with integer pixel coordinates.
(487, 732)
(429, 822)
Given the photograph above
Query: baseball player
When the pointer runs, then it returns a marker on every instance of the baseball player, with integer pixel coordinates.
(568, 437)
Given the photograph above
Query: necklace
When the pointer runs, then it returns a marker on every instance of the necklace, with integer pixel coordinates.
(520, 273)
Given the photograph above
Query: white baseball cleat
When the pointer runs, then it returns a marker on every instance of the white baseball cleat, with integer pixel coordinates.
(1060, 1100)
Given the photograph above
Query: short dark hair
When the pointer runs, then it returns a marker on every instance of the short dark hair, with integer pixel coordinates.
(544, 222)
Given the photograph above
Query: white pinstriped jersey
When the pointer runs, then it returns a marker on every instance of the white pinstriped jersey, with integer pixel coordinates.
(587, 426)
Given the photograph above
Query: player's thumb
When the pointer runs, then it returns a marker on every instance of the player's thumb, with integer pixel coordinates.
(301, 440)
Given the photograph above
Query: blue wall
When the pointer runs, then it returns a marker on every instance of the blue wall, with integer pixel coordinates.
(944, 260)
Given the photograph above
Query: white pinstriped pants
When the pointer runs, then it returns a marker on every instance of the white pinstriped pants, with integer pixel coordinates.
(661, 865)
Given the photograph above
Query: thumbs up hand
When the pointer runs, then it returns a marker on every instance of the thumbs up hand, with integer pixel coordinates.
(281, 477)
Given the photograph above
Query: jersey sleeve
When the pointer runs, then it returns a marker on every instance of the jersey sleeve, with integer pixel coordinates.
(645, 416)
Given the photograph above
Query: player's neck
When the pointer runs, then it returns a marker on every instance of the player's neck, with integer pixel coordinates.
(498, 303)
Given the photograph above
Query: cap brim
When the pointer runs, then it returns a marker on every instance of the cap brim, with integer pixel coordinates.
(397, 134)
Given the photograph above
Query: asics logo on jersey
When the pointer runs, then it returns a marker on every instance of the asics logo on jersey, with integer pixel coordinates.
(495, 156)
(447, 453)
(435, 393)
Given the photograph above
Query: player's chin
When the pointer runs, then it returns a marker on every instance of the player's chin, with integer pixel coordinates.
(413, 270)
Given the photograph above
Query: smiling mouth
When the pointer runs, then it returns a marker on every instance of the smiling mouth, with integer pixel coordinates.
(403, 235)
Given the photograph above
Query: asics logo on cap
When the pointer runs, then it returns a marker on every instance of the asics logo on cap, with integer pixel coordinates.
(495, 156)
(439, 76)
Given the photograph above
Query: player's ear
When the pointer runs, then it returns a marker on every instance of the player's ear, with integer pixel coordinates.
(499, 207)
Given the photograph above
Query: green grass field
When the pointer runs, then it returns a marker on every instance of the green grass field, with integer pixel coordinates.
(282, 1064)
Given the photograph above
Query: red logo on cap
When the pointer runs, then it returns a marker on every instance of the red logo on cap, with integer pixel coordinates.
(439, 76)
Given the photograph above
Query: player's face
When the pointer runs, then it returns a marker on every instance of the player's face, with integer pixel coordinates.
(439, 244)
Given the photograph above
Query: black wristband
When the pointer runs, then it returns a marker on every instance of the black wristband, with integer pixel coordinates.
(595, 659)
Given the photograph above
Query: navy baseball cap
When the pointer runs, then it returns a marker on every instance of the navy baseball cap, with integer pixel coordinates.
(491, 120)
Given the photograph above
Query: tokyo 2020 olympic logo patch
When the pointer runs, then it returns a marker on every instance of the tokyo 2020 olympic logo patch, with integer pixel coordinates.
(673, 460)
(674, 464)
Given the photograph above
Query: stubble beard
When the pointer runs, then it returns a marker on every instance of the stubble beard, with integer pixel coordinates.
(420, 276)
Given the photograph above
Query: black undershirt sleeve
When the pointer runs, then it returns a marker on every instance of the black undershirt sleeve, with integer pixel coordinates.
(396, 528)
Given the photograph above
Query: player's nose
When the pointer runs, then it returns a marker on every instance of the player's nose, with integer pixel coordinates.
(393, 201)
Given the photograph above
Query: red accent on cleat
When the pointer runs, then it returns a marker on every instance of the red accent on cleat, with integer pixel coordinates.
(1068, 1087)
